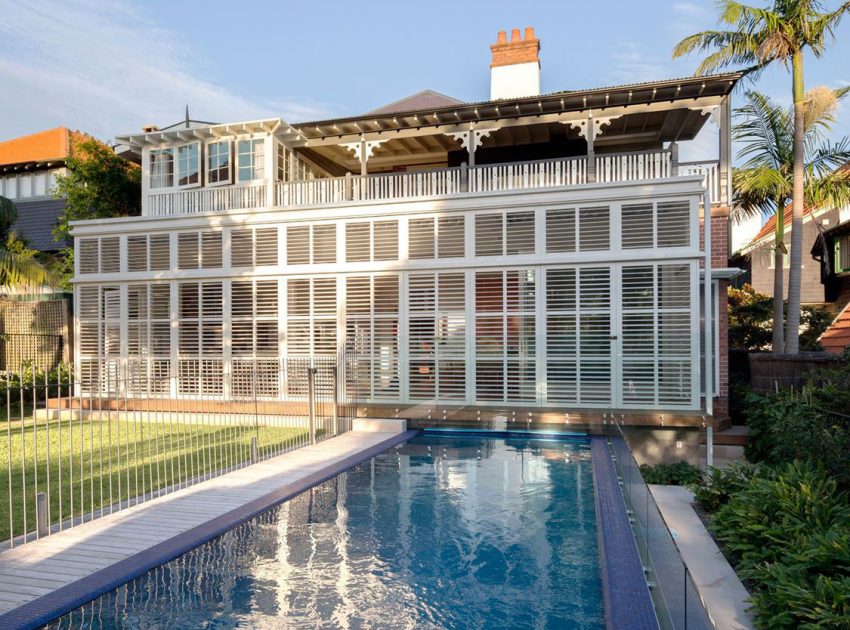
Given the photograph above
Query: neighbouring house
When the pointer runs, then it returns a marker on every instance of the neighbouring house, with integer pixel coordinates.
(758, 261)
(28, 169)
(832, 251)
(532, 257)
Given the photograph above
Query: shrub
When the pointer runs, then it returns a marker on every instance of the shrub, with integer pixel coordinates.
(721, 483)
(788, 532)
(678, 474)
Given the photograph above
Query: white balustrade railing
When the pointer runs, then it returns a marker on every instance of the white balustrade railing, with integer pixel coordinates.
(573, 171)
(622, 167)
(220, 199)
(710, 169)
(524, 175)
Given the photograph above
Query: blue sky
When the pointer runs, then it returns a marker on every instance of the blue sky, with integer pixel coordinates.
(110, 66)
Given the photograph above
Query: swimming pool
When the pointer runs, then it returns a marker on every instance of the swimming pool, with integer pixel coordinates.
(441, 531)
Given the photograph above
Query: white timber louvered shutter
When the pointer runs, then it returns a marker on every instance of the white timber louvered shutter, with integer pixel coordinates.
(594, 335)
(187, 250)
(137, 321)
(159, 248)
(594, 228)
(372, 319)
(560, 230)
(561, 336)
(324, 244)
(637, 226)
(88, 315)
(254, 338)
(265, 247)
(656, 334)
(451, 237)
(489, 234)
(385, 240)
(357, 242)
(505, 335)
(211, 250)
(110, 255)
(437, 336)
(137, 253)
(298, 245)
(674, 223)
(422, 239)
(519, 233)
(89, 255)
(242, 247)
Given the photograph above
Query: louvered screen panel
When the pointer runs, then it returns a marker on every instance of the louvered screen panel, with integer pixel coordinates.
(560, 230)
(594, 328)
(421, 239)
(594, 228)
(637, 226)
(505, 333)
(324, 316)
(137, 253)
(159, 246)
(639, 330)
(187, 250)
(451, 237)
(110, 257)
(674, 219)
(137, 320)
(519, 233)
(561, 336)
(422, 299)
(324, 244)
(265, 246)
(386, 240)
(89, 255)
(242, 247)
(211, 250)
(489, 234)
(298, 245)
(357, 242)
(358, 330)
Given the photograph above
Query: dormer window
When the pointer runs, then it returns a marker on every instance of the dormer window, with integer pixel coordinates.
(218, 163)
(249, 160)
(189, 165)
(162, 168)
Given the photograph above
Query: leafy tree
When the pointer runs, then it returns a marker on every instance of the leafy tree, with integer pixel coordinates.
(758, 38)
(764, 184)
(99, 185)
(17, 267)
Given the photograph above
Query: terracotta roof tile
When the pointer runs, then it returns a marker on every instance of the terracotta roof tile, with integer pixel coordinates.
(769, 227)
(52, 144)
(837, 336)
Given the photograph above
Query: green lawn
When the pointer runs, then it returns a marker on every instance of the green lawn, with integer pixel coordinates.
(111, 461)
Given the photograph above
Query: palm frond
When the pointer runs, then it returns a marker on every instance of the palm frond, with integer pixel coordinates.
(21, 271)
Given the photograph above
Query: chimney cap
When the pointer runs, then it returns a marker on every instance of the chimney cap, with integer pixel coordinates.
(502, 38)
(150, 128)
(515, 36)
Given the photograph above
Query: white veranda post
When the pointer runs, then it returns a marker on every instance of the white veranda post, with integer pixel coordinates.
(709, 328)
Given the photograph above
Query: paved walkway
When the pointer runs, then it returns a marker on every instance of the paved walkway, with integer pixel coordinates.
(724, 595)
(45, 578)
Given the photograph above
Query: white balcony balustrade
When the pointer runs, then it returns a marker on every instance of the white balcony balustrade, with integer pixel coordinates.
(573, 171)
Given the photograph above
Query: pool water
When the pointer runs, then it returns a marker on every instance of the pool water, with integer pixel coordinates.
(439, 532)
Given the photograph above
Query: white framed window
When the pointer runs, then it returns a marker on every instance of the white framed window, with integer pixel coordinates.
(161, 168)
(250, 155)
(218, 163)
(189, 165)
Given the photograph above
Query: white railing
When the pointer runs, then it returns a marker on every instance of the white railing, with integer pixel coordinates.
(220, 199)
(710, 169)
(524, 175)
(573, 171)
(621, 167)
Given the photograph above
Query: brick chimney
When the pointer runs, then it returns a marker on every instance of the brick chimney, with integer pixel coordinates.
(515, 70)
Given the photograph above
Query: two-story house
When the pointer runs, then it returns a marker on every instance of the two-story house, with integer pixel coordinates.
(531, 257)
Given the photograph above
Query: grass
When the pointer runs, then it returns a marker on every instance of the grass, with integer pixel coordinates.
(111, 461)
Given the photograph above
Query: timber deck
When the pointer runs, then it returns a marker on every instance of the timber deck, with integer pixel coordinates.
(48, 577)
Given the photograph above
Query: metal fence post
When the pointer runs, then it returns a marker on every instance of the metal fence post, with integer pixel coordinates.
(334, 376)
(253, 449)
(41, 514)
(311, 402)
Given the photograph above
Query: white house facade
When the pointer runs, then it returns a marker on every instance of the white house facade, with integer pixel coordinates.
(534, 257)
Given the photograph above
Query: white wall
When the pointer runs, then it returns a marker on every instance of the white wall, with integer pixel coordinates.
(521, 79)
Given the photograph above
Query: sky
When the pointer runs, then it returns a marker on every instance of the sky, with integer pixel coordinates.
(108, 67)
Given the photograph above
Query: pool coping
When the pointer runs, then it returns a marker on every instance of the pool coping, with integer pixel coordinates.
(47, 608)
(625, 593)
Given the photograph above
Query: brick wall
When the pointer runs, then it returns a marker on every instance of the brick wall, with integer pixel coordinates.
(507, 53)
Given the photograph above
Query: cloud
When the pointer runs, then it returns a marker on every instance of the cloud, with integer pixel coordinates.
(101, 66)
(632, 65)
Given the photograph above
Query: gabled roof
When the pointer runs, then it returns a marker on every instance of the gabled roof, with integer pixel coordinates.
(769, 228)
(837, 336)
(424, 99)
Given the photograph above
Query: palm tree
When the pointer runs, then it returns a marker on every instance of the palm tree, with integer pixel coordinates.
(764, 184)
(760, 37)
(17, 270)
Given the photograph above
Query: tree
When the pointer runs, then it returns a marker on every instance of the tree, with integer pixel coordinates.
(764, 183)
(17, 268)
(98, 185)
(758, 38)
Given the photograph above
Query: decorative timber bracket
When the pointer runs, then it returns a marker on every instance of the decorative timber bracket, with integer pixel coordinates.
(471, 139)
(363, 148)
(589, 128)
(711, 110)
